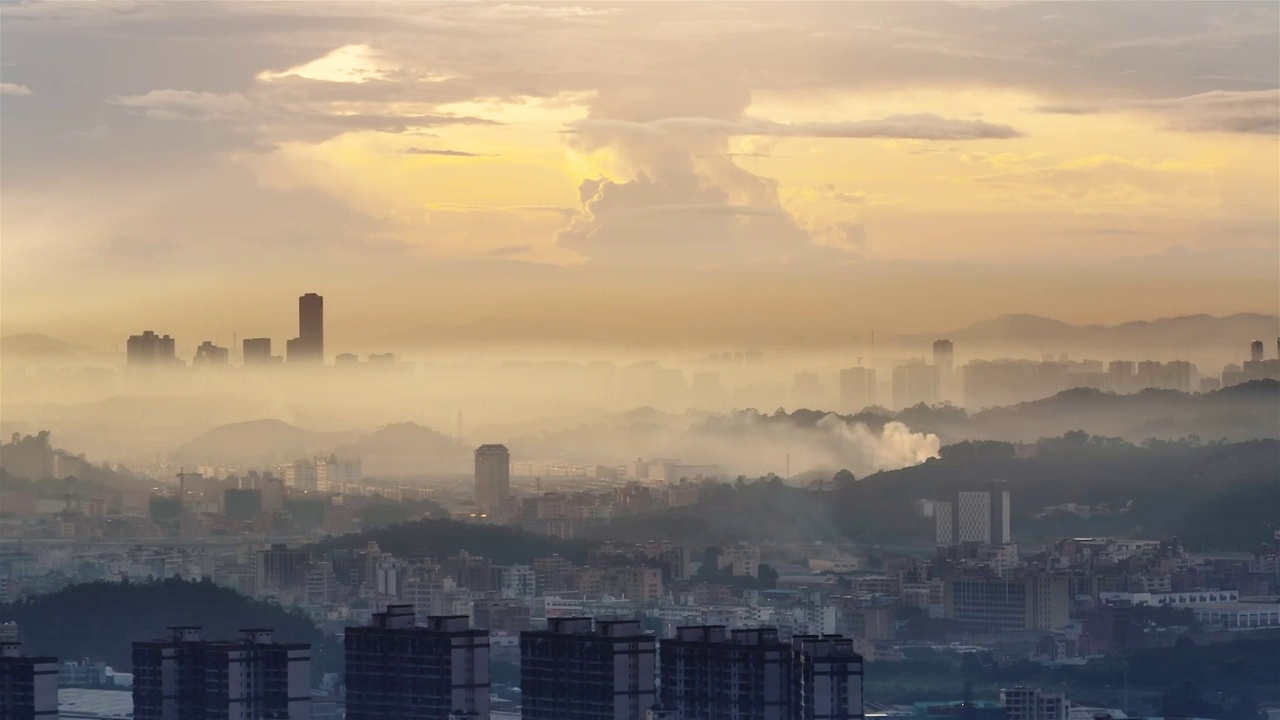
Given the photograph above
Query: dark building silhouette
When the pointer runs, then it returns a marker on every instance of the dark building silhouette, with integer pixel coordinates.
(713, 674)
(257, 351)
(944, 356)
(396, 670)
(493, 476)
(211, 355)
(574, 671)
(28, 685)
(150, 349)
(308, 347)
(1255, 350)
(184, 677)
(826, 678)
(242, 503)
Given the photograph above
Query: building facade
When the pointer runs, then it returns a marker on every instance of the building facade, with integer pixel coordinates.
(184, 677)
(1026, 703)
(826, 678)
(1034, 601)
(28, 685)
(580, 670)
(710, 673)
(982, 517)
(493, 476)
(396, 669)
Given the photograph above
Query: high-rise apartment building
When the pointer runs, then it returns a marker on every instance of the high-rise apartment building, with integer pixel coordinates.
(1026, 703)
(1034, 601)
(257, 351)
(184, 677)
(1255, 350)
(944, 356)
(308, 347)
(981, 517)
(576, 671)
(915, 383)
(280, 568)
(857, 389)
(150, 349)
(826, 678)
(398, 670)
(711, 673)
(493, 476)
(28, 685)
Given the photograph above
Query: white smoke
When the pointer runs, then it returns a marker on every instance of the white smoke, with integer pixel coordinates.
(752, 445)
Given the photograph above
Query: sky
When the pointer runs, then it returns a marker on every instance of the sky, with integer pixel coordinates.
(655, 171)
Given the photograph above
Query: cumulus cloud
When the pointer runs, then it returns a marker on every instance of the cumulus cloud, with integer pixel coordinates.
(679, 217)
(14, 89)
(921, 126)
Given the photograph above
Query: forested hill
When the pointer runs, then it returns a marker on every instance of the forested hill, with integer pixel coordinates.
(444, 538)
(1215, 496)
(100, 620)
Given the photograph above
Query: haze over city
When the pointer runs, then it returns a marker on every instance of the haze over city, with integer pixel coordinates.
(640, 361)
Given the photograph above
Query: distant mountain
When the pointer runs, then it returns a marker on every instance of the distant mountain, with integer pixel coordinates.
(1242, 412)
(1176, 336)
(258, 441)
(396, 449)
(37, 346)
(408, 449)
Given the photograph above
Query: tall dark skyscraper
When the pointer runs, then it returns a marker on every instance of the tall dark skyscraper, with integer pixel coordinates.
(944, 355)
(493, 476)
(1255, 350)
(308, 347)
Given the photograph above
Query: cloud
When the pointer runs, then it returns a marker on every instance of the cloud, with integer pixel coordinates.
(921, 126)
(14, 89)
(172, 104)
(1066, 109)
(544, 11)
(510, 250)
(98, 132)
(347, 64)
(446, 153)
(1253, 112)
(137, 248)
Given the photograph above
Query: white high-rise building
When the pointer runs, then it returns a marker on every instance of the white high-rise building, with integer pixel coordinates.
(981, 517)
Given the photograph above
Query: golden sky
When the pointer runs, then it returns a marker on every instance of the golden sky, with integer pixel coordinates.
(665, 167)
